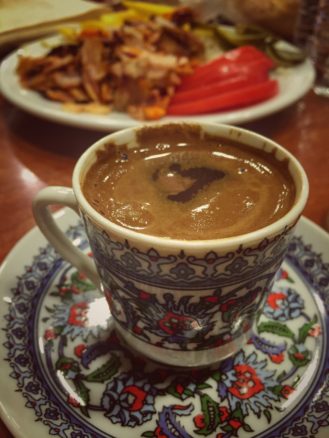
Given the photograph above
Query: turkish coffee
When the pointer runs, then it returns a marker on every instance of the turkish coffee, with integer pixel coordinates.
(182, 183)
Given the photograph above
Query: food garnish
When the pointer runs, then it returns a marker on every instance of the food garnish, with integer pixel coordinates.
(238, 78)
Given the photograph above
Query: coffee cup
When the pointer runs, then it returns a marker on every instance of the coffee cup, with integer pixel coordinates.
(182, 301)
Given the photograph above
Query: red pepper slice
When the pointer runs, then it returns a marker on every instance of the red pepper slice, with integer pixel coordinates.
(233, 99)
(243, 54)
(239, 57)
(215, 88)
(225, 71)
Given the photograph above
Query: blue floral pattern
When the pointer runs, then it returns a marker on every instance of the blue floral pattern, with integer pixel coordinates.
(128, 401)
(283, 304)
(94, 376)
(248, 383)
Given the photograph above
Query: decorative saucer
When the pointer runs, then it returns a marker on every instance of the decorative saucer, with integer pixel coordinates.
(66, 373)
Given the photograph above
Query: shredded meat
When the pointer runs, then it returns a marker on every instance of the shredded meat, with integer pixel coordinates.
(134, 68)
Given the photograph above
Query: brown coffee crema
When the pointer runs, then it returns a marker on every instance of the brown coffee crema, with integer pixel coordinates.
(181, 183)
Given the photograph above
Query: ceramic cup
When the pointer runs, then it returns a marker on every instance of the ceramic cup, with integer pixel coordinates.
(183, 303)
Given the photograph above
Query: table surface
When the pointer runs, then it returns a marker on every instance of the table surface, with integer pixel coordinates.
(36, 153)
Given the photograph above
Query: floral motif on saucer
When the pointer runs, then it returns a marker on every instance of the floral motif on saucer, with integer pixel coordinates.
(82, 381)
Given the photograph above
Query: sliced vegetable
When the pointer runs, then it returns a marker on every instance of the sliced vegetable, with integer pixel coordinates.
(241, 55)
(261, 67)
(69, 33)
(232, 99)
(284, 54)
(208, 90)
(117, 19)
(240, 34)
(245, 60)
(149, 8)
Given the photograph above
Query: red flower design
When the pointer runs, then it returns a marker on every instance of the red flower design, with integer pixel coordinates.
(247, 384)
(179, 388)
(137, 397)
(286, 391)
(199, 421)
(159, 434)
(315, 331)
(78, 314)
(66, 366)
(299, 356)
(63, 290)
(284, 274)
(79, 349)
(236, 424)
(129, 401)
(277, 358)
(225, 307)
(49, 334)
(223, 413)
(73, 401)
(68, 289)
(173, 323)
(274, 297)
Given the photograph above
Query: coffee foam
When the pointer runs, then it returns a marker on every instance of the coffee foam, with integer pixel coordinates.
(141, 189)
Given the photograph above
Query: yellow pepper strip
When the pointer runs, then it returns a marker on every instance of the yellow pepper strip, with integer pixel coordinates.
(116, 19)
(92, 24)
(149, 8)
(69, 33)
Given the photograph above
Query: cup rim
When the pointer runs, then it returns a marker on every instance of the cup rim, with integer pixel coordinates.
(205, 244)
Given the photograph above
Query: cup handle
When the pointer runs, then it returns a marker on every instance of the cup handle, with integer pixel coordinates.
(61, 196)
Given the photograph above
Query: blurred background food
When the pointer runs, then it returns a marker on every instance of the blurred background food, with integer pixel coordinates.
(278, 16)
(26, 19)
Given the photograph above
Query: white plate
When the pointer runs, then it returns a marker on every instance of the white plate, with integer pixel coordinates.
(64, 373)
(294, 82)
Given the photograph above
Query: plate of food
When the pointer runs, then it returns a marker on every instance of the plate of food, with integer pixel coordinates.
(147, 63)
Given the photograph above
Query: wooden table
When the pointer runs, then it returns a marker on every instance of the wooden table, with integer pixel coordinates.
(35, 153)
